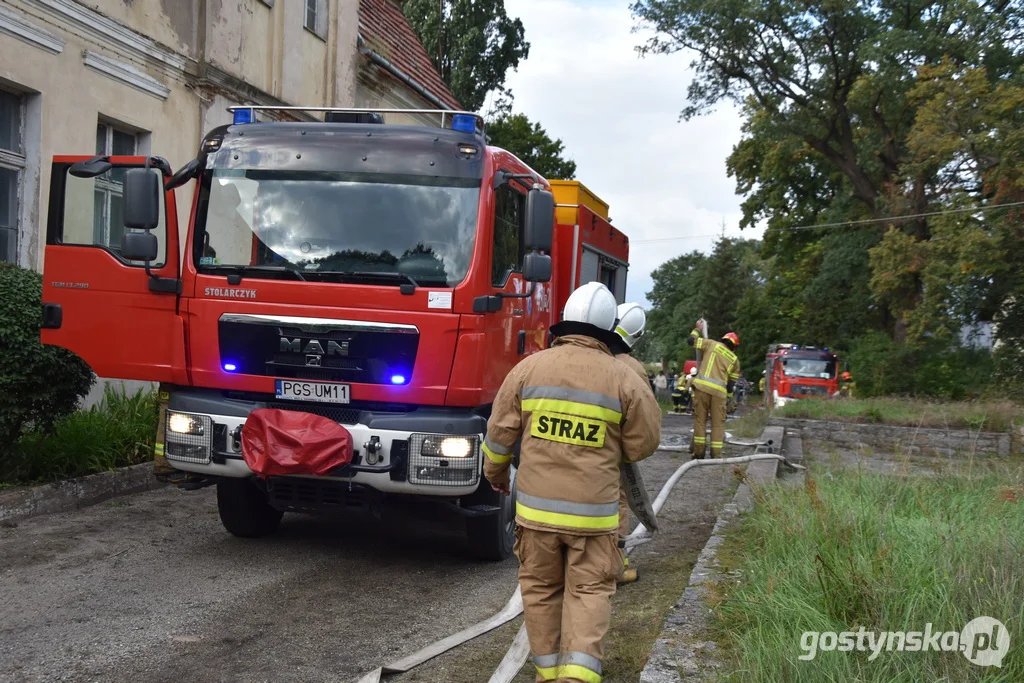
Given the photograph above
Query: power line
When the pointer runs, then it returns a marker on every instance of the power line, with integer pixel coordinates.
(866, 221)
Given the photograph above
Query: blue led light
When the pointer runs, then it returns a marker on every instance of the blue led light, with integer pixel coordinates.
(243, 116)
(398, 379)
(230, 367)
(464, 123)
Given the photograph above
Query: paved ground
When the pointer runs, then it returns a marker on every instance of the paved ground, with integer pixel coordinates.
(151, 588)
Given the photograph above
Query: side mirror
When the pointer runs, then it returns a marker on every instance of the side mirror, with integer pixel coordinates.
(90, 168)
(141, 199)
(540, 220)
(184, 174)
(139, 246)
(537, 268)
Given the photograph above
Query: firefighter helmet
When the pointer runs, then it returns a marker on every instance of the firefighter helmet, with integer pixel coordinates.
(693, 371)
(632, 322)
(846, 375)
(733, 337)
(591, 304)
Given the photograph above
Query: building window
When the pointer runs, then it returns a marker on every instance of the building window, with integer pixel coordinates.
(316, 17)
(108, 206)
(12, 168)
(508, 230)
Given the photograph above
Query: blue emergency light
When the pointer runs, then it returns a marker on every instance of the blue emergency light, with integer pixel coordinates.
(243, 116)
(398, 379)
(464, 123)
(230, 367)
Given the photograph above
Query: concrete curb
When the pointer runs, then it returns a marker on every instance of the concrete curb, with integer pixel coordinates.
(682, 652)
(72, 494)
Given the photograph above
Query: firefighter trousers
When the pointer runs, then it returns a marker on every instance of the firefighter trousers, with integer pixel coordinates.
(567, 583)
(708, 405)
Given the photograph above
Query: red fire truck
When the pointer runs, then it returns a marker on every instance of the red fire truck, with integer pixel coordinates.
(384, 276)
(794, 372)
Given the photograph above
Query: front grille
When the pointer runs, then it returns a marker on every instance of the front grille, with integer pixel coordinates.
(441, 471)
(348, 416)
(296, 493)
(809, 390)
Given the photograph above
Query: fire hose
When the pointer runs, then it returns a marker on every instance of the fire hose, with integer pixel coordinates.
(519, 651)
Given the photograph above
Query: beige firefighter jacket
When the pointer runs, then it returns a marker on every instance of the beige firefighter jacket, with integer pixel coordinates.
(634, 365)
(718, 367)
(579, 413)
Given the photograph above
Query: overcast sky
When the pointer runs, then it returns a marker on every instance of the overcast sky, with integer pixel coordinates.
(617, 115)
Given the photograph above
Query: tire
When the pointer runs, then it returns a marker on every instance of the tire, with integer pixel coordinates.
(244, 510)
(491, 537)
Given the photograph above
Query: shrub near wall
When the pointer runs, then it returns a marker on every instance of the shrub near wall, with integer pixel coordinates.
(38, 384)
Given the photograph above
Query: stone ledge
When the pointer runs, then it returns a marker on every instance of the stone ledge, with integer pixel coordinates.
(682, 652)
(72, 494)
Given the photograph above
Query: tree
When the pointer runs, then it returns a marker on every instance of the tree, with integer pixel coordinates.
(531, 143)
(828, 93)
(473, 48)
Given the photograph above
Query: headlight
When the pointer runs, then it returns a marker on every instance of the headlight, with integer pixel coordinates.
(446, 446)
(179, 423)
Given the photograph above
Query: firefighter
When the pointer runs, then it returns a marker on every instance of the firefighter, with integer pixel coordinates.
(631, 325)
(715, 379)
(760, 383)
(577, 413)
(846, 385)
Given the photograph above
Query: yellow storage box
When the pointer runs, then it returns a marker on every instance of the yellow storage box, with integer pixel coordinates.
(575, 193)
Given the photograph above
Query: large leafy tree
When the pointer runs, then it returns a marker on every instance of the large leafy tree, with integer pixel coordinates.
(531, 143)
(473, 45)
(832, 98)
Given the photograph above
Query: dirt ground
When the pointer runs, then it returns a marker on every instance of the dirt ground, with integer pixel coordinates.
(151, 588)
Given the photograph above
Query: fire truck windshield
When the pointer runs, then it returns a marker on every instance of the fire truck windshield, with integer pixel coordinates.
(809, 368)
(337, 227)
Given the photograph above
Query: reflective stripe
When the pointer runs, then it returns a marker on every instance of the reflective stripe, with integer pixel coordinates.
(559, 399)
(582, 659)
(545, 661)
(548, 673)
(710, 385)
(567, 507)
(579, 672)
(711, 379)
(158, 449)
(496, 458)
(700, 439)
(621, 332)
(497, 448)
(589, 522)
(717, 444)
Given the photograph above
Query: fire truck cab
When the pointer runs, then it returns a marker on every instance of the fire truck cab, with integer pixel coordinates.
(384, 276)
(795, 372)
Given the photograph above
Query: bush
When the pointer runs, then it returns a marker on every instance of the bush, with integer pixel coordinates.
(118, 432)
(38, 384)
(882, 367)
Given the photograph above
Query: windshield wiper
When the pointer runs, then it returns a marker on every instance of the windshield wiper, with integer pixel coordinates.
(239, 271)
(378, 275)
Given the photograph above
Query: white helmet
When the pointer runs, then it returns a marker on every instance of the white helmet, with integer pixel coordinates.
(693, 371)
(632, 321)
(591, 304)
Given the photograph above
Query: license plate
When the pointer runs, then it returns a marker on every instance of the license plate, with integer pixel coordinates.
(321, 392)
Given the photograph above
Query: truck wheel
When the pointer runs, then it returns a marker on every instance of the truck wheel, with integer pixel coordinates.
(491, 537)
(244, 510)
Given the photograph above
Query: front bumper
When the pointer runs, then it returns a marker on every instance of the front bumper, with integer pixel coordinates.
(387, 441)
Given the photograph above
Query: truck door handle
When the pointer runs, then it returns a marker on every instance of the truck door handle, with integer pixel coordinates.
(53, 316)
(521, 347)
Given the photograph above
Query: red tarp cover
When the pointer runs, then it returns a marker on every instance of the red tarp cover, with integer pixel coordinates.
(290, 442)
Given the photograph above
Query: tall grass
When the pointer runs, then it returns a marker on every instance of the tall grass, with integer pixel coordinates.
(994, 416)
(117, 432)
(884, 552)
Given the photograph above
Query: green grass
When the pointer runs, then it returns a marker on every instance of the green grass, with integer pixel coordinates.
(888, 553)
(118, 432)
(750, 425)
(996, 416)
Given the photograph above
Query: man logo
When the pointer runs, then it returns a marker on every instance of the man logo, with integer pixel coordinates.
(314, 347)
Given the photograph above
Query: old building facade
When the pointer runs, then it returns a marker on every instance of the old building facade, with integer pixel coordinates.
(153, 76)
